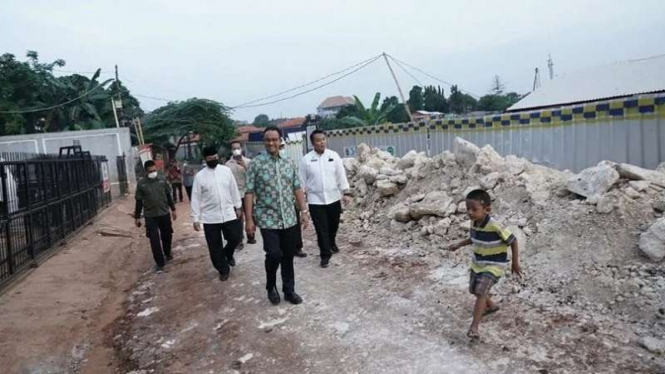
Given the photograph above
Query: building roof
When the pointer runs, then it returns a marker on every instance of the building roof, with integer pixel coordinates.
(619, 79)
(336, 101)
(248, 129)
(292, 122)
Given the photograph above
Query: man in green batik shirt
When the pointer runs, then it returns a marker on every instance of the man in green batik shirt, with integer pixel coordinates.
(272, 189)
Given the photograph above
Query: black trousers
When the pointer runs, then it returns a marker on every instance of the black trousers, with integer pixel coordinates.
(219, 255)
(188, 189)
(326, 223)
(160, 233)
(280, 247)
(177, 190)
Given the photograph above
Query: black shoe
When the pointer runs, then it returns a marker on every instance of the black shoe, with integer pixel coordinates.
(232, 261)
(224, 277)
(251, 240)
(301, 254)
(325, 262)
(334, 249)
(293, 298)
(273, 296)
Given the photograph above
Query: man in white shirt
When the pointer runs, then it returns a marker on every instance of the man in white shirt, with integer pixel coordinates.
(216, 204)
(324, 179)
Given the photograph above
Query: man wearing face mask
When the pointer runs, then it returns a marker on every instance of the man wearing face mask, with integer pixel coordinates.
(216, 204)
(153, 197)
(239, 165)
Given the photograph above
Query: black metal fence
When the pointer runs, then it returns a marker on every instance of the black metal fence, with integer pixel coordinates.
(44, 198)
(122, 174)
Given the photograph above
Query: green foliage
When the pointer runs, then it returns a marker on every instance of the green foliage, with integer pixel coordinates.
(207, 118)
(31, 84)
(461, 103)
(398, 113)
(262, 120)
(496, 100)
(434, 100)
(416, 100)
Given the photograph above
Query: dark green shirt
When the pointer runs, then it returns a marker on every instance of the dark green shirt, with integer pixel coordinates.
(155, 196)
(273, 180)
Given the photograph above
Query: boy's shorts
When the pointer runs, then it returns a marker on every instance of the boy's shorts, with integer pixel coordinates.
(480, 284)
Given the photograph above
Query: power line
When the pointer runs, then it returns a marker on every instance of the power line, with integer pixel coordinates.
(81, 72)
(51, 107)
(303, 85)
(368, 62)
(431, 76)
(406, 71)
(152, 97)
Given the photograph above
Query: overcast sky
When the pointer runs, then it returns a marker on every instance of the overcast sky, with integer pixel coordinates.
(237, 51)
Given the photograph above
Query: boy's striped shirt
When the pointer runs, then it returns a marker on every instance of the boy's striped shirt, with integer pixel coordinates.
(490, 247)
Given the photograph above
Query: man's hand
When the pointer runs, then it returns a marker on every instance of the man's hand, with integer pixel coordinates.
(137, 222)
(346, 200)
(241, 162)
(250, 228)
(304, 220)
(197, 226)
(174, 215)
(239, 213)
(515, 268)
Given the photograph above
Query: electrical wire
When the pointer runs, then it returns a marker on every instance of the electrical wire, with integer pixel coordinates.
(51, 107)
(431, 76)
(152, 97)
(368, 62)
(407, 72)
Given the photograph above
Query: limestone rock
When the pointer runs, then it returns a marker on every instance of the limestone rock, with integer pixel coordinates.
(400, 213)
(652, 242)
(361, 187)
(416, 198)
(399, 179)
(593, 181)
(364, 152)
(407, 161)
(633, 172)
(520, 236)
(639, 186)
(513, 165)
(630, 192)
(661, 168)
(351, 165)
(386, 170)
(452, 209)
(604, 205)
(461, 207)
(490, 180)
(368, 174)
(434, 204)
(469, 189)
(487, 160)
(386, 188)
(653, 345)
(465, 152)
(397, 226)
(382, 155)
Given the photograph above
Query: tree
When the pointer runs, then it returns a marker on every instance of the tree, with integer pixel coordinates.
(209, 119)
(434, 100)
(497, 86)
(262, 120)
(495, 100)
(398, 114)
(459, 102)
(415, 101)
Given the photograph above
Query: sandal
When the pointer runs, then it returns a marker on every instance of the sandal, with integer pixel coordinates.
(473, 335)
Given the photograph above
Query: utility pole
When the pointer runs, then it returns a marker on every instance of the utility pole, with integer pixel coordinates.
(399, 89)
(536, 80)
(116, 104)
(550, 65)
(117, 84)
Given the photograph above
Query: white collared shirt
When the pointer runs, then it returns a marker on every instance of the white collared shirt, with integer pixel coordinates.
(215, 196)
(323, 177)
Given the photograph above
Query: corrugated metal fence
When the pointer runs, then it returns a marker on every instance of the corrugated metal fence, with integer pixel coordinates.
(571, 137)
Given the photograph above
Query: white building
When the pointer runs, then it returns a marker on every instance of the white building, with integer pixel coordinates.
(332, 105)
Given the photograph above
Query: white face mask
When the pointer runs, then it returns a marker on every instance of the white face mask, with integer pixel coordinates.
(237, 152)
(152, 175)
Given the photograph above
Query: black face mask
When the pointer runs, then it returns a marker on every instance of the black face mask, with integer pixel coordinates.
(212, 163)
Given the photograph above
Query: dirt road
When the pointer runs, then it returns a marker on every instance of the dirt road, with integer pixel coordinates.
(359, 316)
(56, 320)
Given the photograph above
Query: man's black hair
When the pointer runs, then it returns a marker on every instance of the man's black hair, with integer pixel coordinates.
(209, 151)
(234, 142)
(480, 196)
(149, 163)
(272, 128)
(314, 133)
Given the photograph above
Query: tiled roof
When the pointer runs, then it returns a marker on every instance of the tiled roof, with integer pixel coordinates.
(336, 101)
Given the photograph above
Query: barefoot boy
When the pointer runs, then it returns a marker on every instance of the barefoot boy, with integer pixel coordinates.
(490, 255)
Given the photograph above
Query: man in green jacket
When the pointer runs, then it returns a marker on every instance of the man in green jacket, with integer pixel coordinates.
(153, 196)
